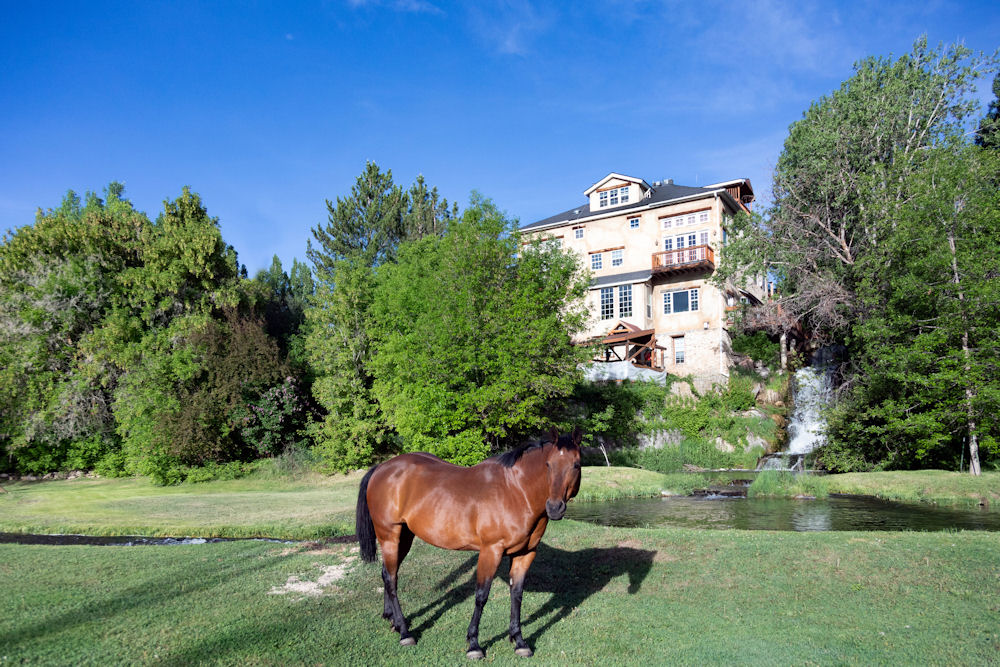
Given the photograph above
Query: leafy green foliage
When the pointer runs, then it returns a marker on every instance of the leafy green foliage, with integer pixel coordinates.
(759, 347)
(883, 235)
(363, 231)
(472, 336)
(619, 412)
(129, 346)
(271, 423)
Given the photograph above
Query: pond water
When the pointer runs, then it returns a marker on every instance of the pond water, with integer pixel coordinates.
(834, 513)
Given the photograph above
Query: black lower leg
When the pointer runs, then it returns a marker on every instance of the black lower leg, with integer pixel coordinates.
(482, 593)
(392, 608)
(516, 592)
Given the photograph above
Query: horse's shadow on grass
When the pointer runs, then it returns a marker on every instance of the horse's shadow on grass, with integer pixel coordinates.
(569, 577)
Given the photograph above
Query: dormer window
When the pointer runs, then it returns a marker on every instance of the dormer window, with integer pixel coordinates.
(613, 197)
(616, 189)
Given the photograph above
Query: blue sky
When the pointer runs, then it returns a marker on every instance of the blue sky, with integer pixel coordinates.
(268, 108)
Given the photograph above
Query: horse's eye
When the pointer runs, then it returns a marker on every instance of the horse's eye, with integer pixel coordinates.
(576, 466)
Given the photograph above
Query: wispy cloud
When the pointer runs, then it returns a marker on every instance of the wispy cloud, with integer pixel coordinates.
(407, 6)
(511, 27)
(798, 36)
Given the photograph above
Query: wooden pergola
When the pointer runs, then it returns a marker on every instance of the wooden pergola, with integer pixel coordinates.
(627, 342)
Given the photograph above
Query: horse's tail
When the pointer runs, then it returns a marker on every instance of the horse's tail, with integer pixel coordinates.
(363, 525)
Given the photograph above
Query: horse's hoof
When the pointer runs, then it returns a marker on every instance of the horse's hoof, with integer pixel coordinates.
(407, 641)
(475, 654)
(524, 652)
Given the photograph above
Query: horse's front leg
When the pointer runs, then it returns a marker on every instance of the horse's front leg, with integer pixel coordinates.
(489, 560)
(518, 573)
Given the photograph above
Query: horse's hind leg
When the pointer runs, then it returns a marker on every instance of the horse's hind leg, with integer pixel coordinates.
(394, 550)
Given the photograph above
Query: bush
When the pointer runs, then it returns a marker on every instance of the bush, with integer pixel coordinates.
(274, 420)
(759, 347)
(619, 412)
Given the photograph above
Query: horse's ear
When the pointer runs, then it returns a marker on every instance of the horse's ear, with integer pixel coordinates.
(577, 435)
(554, 435)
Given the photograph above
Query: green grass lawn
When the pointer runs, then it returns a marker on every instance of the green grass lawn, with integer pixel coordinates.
(937, 486)
(594, 596)
(315, 506)
(296, 509)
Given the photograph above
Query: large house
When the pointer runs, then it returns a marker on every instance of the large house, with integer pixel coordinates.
(651, 249)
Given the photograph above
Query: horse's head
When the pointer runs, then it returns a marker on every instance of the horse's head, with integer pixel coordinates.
(563, 463)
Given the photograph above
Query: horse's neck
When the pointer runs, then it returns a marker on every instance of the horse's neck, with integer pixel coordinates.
(529, 475)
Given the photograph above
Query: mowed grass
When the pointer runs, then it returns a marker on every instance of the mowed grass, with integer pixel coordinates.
(295, 509)
(937, 486)
(594, 596)
(307, 508)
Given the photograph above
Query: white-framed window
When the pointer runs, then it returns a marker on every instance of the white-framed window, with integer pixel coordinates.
(668, 223)
(703, 217)
(681, 301)
(649, 304)
(613, 197)
(607, 303)
(703, 238)
(624, 301)
(678, 349)
(578, 233)
(596, 261)
(668, 242)
(633, 223)
(692, 219)
(616, 257)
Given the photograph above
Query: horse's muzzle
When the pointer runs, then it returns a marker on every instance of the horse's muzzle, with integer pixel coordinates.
(555, 510)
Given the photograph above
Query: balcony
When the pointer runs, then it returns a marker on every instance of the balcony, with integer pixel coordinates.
(684, 260)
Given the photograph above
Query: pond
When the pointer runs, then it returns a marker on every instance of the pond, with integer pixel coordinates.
(834, 513)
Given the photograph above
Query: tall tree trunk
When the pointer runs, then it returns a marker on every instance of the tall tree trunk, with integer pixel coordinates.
(970, 395)
(783, 344)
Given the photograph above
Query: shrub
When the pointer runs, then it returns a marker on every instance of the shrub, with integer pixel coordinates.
(274, 420)
(759, 347)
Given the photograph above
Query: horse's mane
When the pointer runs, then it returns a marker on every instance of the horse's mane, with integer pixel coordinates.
(508, 459)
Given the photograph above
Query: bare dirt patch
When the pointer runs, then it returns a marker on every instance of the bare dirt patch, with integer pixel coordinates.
(324, 584)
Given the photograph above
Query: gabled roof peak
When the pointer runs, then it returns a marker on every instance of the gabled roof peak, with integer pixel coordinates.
(620, 177)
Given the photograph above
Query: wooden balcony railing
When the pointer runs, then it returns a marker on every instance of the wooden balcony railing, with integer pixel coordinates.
(683, 260)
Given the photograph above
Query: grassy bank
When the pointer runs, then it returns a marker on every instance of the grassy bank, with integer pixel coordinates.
(594, 596)
(936, 486)
(306, 508)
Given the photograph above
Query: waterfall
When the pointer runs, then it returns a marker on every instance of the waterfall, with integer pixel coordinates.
(812, 388)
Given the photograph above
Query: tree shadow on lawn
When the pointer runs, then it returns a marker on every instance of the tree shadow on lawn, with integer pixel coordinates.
(570, 577)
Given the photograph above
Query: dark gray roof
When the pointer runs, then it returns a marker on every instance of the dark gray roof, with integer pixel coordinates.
(660, 193)
(631, 277)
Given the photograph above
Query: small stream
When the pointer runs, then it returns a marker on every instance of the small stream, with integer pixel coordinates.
(834, 513)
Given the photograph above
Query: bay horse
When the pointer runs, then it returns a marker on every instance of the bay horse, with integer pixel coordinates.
(499, 508)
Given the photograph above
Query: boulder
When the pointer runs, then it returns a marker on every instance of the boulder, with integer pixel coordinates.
(660, 439)
(754, 440)
(769, 397)
(723, 446)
